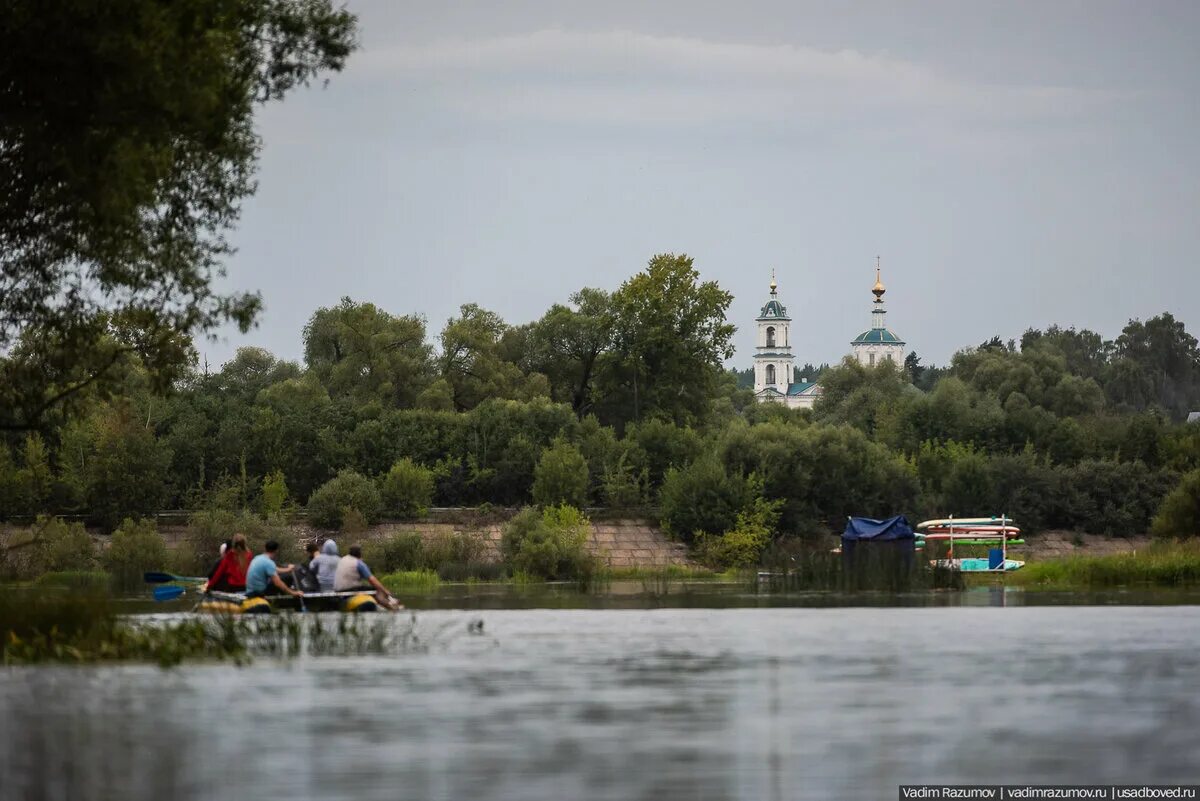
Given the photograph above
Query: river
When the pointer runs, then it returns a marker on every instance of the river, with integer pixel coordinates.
(796, 700)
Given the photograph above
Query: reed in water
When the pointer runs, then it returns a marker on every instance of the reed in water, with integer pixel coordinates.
(42, 625)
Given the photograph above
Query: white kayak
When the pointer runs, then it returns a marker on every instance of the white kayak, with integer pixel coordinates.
(966, 522)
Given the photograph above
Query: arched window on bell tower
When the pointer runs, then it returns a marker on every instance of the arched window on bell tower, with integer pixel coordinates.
(770, 336)
(770, 374)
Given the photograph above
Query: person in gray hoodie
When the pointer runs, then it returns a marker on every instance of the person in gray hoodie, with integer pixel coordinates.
(325, 565)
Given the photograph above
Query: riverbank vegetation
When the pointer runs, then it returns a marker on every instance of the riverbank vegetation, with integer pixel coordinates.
(1046, 431)
(45, 623)
(1162, 564)
(615, 398)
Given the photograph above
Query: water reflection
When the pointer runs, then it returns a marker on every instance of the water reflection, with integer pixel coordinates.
(793, 703)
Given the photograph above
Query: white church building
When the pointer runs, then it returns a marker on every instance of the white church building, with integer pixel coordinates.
(775, 379)
(871, 347)
(774, 365)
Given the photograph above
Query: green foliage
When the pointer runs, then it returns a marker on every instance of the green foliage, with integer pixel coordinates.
(822, 474)
(743, 545)
(804, 567)
(274, 495)
(548, 543)
(622, 487)
(1106, 497)
(411, 580)
(459, 553)
(86, 581)
(437, 397)
(348, 490)
(360, 351)
(406, 490)
(1160, 565)
(567, 344)
(656, 446)
(862, 396)
(117, 193)
(208, 528)
(670, 336)
(125, 472)
(10, 491)
(619, 400)
(1163, 364)
(58, 546)
(33, 480)
(25, 489)
(703, 497)
(474, 363)
(561, 476)
(1179, 514)
(454, 549)
(134, 548)
(399, 552)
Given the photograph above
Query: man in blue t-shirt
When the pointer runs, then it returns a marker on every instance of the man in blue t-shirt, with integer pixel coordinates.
(262, 577)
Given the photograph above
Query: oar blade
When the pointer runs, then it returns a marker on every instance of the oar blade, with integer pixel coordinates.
(157, 578)
(167, 593)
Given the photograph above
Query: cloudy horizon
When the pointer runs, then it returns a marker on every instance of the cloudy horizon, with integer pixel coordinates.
(1014, 165)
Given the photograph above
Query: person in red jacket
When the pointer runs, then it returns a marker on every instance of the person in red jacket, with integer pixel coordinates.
(230, 575)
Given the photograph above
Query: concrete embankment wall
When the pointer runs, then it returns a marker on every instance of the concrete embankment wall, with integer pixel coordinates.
(619, 542)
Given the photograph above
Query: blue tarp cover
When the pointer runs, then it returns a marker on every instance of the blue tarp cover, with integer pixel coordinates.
(864, 528)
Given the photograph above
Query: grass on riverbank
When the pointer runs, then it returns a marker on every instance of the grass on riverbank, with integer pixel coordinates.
(1165, 564)
(418, 581)
(680, 572)
(410, 581)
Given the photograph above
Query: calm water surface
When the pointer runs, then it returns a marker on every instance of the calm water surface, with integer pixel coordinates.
(807, 702)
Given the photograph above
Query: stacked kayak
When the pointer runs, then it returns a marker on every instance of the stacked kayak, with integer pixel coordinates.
(998, 533)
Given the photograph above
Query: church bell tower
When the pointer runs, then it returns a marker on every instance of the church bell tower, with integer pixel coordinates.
(773, 360)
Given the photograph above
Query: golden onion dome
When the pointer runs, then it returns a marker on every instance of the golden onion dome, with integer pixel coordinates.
(879, 288)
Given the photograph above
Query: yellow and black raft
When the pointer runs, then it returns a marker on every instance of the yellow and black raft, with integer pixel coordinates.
(236, 603)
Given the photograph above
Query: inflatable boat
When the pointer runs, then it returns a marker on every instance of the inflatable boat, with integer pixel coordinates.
(236, 603)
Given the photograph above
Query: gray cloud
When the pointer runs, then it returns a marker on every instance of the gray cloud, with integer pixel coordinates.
(624, 77)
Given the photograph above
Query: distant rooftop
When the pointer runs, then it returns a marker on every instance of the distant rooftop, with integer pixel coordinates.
(878, 335)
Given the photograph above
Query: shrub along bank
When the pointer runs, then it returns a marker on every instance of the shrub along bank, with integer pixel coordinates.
(1162, 564)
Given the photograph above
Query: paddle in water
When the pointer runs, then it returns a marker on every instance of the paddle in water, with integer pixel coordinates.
(167, 593)
(154, 577)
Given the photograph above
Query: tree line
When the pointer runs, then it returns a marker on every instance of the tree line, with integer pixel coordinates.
(619, 399)
(125, 153)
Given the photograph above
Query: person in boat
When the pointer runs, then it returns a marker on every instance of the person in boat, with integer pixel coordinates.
(262, 578)
(303, 576)
(220, 555)
(325, 565)
(353, 574)
(230, 573)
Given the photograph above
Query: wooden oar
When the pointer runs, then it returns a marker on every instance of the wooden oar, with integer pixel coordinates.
(167, 593)
(167, 578)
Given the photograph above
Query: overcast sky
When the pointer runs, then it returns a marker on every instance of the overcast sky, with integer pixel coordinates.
(1014, 164)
